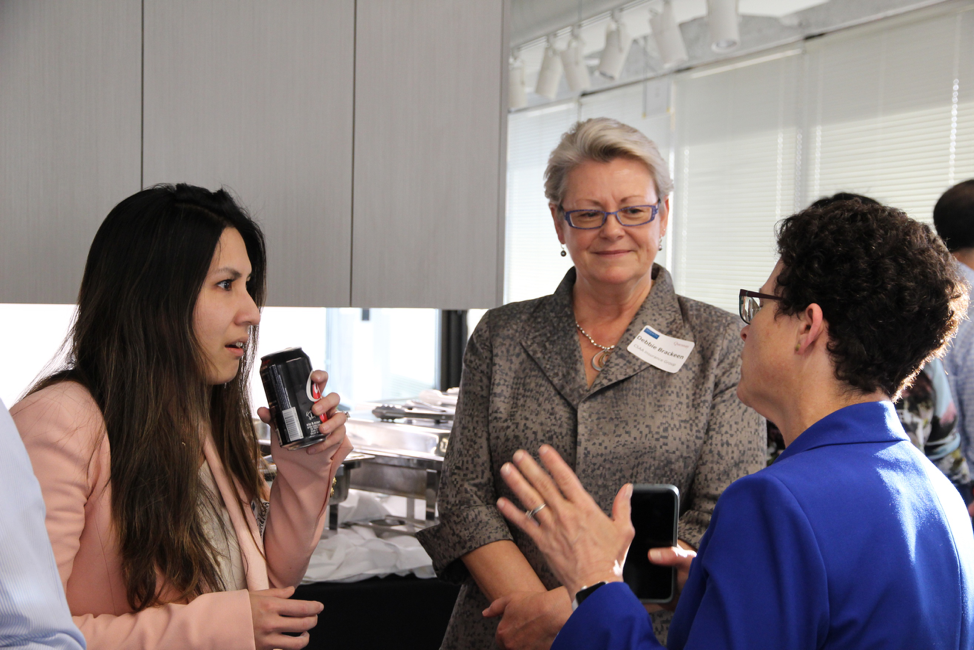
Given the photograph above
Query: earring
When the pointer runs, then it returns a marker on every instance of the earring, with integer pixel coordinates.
(660, 243)
(798, 346)
(563, 253)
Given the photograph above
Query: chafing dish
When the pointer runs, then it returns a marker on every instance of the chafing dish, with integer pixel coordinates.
(406, 459)
(401, 459)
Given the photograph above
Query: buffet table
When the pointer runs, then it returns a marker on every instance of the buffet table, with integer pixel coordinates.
(375, 580)
(406, 613)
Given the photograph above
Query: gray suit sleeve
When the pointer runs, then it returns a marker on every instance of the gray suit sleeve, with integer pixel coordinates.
(469, 517)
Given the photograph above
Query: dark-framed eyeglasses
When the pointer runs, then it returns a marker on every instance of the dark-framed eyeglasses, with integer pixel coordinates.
(590, 219)
(750, 303)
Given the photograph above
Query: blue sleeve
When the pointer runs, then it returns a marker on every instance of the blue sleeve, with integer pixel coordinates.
(759, 580)
(612, 617)
(33, 610)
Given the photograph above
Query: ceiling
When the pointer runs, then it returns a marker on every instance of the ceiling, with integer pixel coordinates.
(764, 24)
(531, 19)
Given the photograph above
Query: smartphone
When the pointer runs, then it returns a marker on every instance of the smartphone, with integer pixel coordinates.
(655, 511)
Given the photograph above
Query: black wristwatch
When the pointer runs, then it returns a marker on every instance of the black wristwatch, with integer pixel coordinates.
(584, 593)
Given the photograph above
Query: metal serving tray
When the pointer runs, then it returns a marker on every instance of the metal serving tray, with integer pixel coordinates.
(406, 460)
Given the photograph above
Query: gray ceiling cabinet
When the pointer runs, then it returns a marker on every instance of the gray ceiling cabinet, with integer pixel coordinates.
(367, 137)
(257, 96)
(70, 76)
(430, 152)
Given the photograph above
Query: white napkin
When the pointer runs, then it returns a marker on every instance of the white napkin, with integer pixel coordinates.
(358, 553)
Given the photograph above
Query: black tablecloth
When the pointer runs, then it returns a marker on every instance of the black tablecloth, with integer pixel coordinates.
(405, 613)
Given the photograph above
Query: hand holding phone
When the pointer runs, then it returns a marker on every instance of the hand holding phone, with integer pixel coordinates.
(654, 512)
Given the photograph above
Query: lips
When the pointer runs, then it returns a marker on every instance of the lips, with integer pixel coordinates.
(237, 347)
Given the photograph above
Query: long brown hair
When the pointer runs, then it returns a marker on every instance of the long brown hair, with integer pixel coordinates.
(134, 348)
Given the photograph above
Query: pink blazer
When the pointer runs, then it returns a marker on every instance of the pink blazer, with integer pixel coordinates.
(65, 436)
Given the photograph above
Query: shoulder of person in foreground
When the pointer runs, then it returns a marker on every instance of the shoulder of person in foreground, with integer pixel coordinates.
(758, 579)
(33, 609)
(824, 544)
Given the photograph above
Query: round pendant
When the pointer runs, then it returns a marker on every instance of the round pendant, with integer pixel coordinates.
(600, 358)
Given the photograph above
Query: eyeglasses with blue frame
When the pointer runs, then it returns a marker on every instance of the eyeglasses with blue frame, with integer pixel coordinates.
(592, 219)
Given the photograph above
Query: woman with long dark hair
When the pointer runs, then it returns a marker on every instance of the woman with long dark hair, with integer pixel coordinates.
(164, 531)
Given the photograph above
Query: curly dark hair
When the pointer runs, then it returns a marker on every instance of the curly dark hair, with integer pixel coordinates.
(885, 283)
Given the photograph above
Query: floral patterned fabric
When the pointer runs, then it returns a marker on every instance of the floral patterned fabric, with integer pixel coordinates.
(928, 414)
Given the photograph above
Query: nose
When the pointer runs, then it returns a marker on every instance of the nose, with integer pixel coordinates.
(248, 313)
(744, 332)
(612, 229)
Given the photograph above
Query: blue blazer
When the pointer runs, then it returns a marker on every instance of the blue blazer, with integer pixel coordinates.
(850, 540)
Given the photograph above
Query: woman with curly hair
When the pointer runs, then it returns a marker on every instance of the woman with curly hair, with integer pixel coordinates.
(163, 529)
(851, 538)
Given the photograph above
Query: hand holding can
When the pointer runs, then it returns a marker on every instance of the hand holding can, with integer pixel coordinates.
(291, 395)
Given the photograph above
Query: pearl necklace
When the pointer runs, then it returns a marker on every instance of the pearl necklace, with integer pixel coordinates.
(602, 356)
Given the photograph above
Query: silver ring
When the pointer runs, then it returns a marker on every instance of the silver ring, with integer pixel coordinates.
(532, 513)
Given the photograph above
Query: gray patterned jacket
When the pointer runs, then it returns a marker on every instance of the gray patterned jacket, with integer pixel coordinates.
(523, 384)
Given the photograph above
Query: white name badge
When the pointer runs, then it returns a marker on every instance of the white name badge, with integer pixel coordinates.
(659, 350)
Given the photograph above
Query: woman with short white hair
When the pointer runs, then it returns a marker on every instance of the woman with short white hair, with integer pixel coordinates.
(627, 380)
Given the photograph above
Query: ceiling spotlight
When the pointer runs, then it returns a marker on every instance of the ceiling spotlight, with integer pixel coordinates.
(617, 42)
(573, 59)
(550, 75)
(724, 24)
(517, 96)
(669, 40)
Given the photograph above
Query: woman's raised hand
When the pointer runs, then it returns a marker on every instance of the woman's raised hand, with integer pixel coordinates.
(276, 617)
(581, 545)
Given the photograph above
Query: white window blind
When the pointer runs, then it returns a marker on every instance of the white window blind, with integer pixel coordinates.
(890, 110)
(736, 159)
(532, 264)
(643, 106)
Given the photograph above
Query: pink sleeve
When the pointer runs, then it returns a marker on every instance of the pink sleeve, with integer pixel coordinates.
(299, 497)
(216, 621)
(61, 427)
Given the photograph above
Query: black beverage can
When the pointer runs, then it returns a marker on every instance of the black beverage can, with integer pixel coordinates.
(286, 376)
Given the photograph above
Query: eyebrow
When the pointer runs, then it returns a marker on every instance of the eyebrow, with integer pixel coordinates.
(232, 272)
(624, 199)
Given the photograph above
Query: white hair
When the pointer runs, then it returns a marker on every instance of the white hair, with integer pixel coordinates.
(602, 139)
